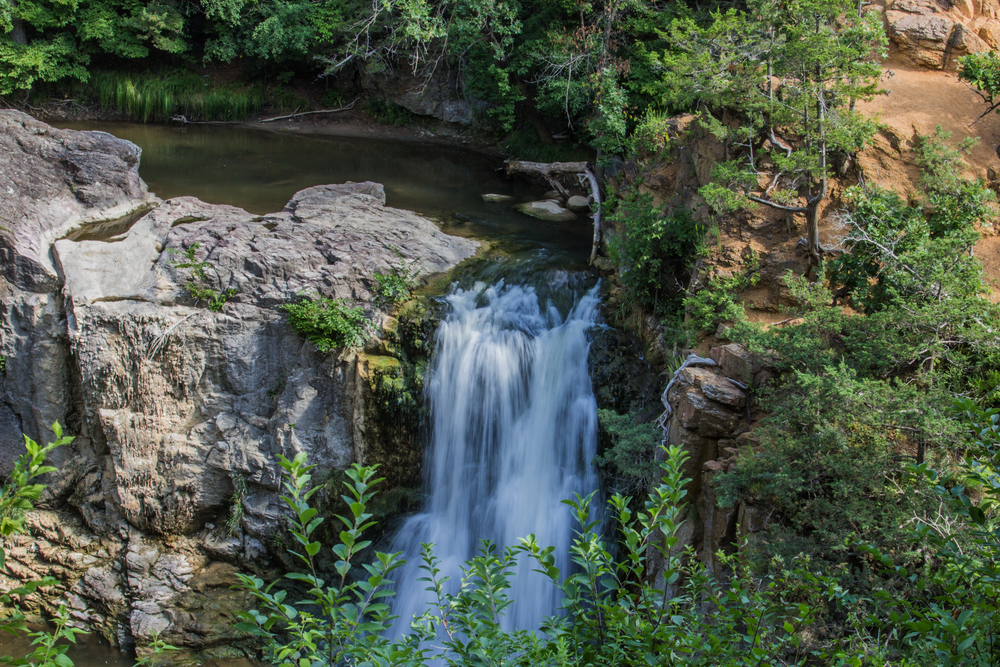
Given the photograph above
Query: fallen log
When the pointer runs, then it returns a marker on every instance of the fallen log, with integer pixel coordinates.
(296, 114)
(549, 170)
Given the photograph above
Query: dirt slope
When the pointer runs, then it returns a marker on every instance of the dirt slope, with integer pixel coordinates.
(916, 101)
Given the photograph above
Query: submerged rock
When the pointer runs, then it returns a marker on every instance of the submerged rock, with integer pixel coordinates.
(546, 210)
(180, 412)
(578, 203)
(492, 198)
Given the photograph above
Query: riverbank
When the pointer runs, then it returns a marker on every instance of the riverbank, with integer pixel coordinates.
(352, 122)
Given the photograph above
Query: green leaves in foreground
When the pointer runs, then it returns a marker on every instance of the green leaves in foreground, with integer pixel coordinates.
(18, 496)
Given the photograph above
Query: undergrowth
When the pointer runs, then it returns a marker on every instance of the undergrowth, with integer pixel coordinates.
(328, 323)
(389, 113)
(146, 97)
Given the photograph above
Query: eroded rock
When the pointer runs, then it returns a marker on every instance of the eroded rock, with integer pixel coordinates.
(175, 406)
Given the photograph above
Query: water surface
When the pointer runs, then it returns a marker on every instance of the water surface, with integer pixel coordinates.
(260, 170)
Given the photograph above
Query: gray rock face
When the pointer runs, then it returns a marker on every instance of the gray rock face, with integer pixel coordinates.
(439, 97)
(53, 182)
(174, 403)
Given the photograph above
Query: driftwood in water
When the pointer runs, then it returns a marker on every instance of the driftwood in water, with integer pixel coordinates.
(549, 170)
(296, 114)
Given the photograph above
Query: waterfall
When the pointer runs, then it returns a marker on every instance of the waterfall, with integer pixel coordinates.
(513, 432)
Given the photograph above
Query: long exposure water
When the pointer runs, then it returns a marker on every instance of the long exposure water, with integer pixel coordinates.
(513, 432)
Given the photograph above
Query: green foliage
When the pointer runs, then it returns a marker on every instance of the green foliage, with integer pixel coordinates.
(947, 612)
(340, 620)
(653, 251)
(612, 614)
(395, 287)
(23, 66)
(388, 113)
(148, 98)
(718, 301)
(199, 286)
(941, 165)
(236, 508)
(523, 143)
(20, 492)
(793, 71)
(330, 324)
(3, 363)
(982, 70)
(828, 467)
(628, 462)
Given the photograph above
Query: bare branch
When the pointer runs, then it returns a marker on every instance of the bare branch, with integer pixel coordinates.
(793, 209)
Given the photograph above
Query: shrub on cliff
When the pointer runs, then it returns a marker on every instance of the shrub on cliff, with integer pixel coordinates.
(653, 251)
(328, 323)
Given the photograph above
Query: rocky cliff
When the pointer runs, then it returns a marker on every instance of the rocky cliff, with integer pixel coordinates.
(180, 412)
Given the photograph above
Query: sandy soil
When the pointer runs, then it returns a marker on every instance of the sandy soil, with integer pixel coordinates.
(917, 101)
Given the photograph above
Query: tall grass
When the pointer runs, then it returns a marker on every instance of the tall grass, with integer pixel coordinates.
(148, 98)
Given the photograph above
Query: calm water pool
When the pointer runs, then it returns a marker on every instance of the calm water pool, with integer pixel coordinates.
(260, 170)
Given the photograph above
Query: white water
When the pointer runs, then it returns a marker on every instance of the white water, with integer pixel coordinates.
(513, 433)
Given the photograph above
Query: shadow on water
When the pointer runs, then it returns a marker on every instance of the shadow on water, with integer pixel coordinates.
(260, 171)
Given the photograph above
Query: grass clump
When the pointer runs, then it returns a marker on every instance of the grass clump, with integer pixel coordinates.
(396, 286)
(147, 98)
(198, 285)
(330, 324)
(236, 510)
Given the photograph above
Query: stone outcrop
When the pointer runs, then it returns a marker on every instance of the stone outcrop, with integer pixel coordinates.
(934, 33)
(175, 407)
(56, 182)
(708, 416)
(437, 97)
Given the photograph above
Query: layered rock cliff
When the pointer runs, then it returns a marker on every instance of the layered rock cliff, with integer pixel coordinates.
(175, 406)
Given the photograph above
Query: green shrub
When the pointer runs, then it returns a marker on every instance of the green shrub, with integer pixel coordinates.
(328, 323)
(388, 113)
(393, 288)
(652, 252)
(628, 463)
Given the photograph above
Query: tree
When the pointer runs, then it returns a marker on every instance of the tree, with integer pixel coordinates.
(793, 72)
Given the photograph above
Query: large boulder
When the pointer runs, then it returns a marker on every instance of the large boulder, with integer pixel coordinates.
(55, 182)
(934, 33)
(180, 412)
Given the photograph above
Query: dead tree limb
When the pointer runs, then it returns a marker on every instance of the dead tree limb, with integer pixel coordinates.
(549, 170)
(308, 113)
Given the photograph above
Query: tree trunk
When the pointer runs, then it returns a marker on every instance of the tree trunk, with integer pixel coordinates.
(544, 133)
(812, 237)
(17, 33)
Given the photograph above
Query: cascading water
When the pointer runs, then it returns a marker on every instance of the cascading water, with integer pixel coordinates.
(513, 433)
